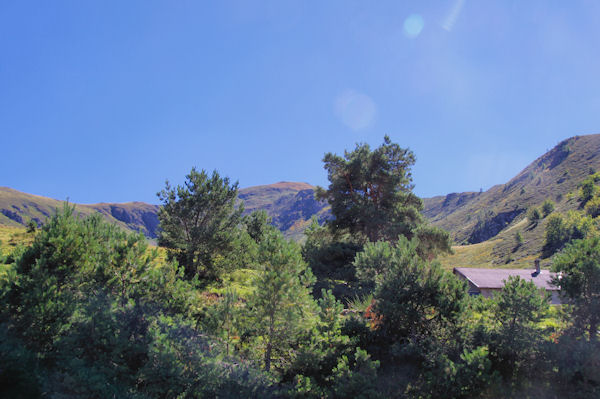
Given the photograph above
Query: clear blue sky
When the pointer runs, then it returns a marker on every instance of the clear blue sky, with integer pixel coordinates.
(104, 100)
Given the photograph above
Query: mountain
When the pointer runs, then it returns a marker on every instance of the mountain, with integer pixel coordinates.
(482, 224)
(290, 205)
(486, 223)
(17, 208)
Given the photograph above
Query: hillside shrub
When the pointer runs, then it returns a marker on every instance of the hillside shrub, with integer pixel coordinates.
(562, 229)
(534, 215)
(592, 208)
(589, 188)
(547, 207)
(519, 238)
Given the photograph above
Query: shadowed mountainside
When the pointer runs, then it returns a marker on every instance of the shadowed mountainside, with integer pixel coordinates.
(290, 205)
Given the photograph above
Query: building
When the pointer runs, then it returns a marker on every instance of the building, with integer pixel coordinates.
(488, 281)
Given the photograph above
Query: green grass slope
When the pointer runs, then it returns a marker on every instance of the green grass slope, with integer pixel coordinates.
(494, 217)
(17, 209)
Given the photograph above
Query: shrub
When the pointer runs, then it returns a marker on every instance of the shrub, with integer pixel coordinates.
(547, 207)
(588, 187)
(592, 208)
(562, 229)
(519, 238)
(534, 215)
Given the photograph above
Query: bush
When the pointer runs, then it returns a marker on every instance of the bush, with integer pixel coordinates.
(519, 238)
(547, 207)
(562, 229)
(466, 377)
(534, 215)
(588, 187)
(592, 208)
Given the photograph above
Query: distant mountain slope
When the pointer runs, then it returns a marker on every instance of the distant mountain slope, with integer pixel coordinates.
(491, 218)
(290, 205)
(499, 213)
(17, 208)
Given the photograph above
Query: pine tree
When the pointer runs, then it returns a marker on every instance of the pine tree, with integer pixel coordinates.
(370, 194)
(198, 221)
(281, 303)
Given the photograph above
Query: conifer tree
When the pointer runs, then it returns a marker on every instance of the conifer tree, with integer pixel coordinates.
(198, 221)
(370, 194)
(281, 303)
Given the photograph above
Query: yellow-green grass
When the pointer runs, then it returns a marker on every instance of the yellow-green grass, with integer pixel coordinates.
(475, 255)
(239, 280)
(13, 237)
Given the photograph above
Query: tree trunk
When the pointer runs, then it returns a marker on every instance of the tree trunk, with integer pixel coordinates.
(268, 356)
(269, 343)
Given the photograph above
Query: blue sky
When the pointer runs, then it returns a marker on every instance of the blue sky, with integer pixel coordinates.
(103, 101)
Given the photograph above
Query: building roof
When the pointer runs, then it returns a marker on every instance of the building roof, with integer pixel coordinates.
(495, 278)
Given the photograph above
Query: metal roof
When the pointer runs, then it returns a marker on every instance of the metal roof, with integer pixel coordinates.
(495, 278)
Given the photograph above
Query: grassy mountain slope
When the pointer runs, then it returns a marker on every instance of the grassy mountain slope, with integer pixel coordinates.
(486, 223)
(483, 225)
(290, 205)
(17, 208)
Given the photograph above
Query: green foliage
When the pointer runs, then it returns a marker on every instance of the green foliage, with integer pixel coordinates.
(31, 226)
(91, 314)
(465, 377)
(547, 207)
(357, 378)
(413, 298)
(534, 215)
(19, 368)
(373, 261)
(519, 238)
(514, 333)
(562, 229)
(370, 194)
(589, 188)
(258, 224)
(281, 303)
(578, 367)
(330, 256)
(198, 222)
(592, 207)
(579, 265)
(432, 242)
(223, 319)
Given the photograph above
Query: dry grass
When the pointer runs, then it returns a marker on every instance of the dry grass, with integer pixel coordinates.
(475, 255)
(12, 237)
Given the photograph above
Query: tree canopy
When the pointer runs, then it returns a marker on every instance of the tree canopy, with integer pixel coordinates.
(370, 194)
(199, 220)
(579, 268)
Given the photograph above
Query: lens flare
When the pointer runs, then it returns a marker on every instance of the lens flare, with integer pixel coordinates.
(413, 25)
(355, 110)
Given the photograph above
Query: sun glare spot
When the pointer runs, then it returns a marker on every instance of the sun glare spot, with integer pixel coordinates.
(413, 25)
(355, 110)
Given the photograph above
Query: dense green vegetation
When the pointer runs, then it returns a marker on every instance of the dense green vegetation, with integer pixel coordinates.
(237, 310)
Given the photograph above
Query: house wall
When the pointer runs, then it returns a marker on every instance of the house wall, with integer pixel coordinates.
(488, 292)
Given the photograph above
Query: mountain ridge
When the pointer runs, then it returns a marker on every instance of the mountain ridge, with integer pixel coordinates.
(471, 217)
